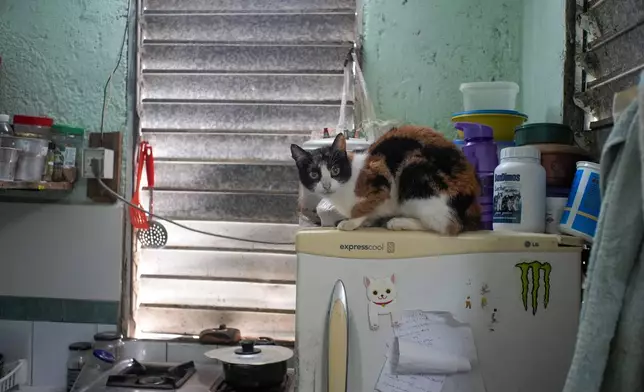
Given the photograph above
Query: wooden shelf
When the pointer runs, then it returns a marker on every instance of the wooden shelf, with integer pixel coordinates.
(36, 186)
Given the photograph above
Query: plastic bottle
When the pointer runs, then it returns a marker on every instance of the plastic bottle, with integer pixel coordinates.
(520, 191)
(5, 127)
(480, 150)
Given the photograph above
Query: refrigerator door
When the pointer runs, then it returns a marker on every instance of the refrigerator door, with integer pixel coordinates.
(521, 305)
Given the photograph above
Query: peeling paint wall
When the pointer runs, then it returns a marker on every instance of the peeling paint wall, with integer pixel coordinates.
(417, 53)
(56, 57)
(543, 55)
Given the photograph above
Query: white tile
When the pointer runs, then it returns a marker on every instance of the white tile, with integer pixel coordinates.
(145, 351)
(184, 352)
(16, 342)
(106, 328)
(51, 348)
(32, 242)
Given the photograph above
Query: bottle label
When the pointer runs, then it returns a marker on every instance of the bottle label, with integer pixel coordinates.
(587, 215)
(507, 198)
(69, 157)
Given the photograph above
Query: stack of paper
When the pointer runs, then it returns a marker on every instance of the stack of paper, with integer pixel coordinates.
(429, 348)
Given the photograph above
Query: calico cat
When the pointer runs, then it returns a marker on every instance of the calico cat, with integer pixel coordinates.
(411, 175)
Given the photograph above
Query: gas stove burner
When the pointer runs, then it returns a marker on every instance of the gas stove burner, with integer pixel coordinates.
(151, 380)
(286, 386)
(153, 376)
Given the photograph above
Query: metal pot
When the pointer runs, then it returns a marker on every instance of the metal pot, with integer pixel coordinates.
(256, 365)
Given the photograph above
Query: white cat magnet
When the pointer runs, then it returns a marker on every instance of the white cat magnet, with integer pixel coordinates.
(381, 293)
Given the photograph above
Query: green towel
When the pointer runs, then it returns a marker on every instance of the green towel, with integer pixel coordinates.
(609, 354)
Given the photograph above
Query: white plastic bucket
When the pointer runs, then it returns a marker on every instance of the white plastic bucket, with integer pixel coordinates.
(581, 213)
(489, 95)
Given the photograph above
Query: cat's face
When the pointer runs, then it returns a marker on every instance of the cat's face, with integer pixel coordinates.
(381, 290)
(325, 170)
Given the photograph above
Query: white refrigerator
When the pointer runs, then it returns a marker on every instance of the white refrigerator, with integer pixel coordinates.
(503, 306)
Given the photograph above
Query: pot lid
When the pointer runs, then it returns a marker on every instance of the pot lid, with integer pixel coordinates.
(250, 354)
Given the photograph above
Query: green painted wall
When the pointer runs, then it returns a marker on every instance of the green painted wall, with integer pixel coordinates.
(417, 52)
(56, 57)
(543, 43)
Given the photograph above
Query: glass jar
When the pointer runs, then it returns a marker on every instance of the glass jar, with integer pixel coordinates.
(79, 353)
(111, 342)
(70, 142)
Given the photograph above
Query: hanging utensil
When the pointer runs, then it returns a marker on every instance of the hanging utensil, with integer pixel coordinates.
(156, 236)
(337, 340)
(137, 217)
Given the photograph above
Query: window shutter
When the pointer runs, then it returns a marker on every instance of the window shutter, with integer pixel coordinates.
(224, 88)
(610, 52)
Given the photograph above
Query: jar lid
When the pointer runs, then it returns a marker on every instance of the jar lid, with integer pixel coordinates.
(538, 133)
(61, 128)
(80, 346)
(107, 336)
(520, 152)
(33, 120)
(4, 118)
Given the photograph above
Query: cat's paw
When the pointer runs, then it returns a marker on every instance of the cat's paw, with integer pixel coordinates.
(398, 224)
(350, 224)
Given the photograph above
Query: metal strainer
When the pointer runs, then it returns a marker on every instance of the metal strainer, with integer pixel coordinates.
(157, 235)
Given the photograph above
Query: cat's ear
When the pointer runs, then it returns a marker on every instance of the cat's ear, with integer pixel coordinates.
(367, 281)
(298, 153)
(393, 278)
(340, 143)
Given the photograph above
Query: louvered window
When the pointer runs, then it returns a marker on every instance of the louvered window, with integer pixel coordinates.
(610, 51)
(224, 87)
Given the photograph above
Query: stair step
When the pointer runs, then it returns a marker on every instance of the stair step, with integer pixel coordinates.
(240, 116)
(246, 5)
(209, 146)
(245, 87)
(273, 232)
(219, 264)
(243, 58)
(250, 28)
(224, 206)
(225, 176)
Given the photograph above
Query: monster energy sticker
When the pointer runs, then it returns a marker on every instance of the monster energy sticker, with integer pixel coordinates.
(530, 283)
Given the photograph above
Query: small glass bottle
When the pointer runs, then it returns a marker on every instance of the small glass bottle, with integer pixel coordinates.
(78, 355)
(49, 164)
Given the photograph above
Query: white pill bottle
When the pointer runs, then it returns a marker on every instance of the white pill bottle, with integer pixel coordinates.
(520, 191)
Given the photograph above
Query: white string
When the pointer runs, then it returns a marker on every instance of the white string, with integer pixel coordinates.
(346, 85)
(121, 198)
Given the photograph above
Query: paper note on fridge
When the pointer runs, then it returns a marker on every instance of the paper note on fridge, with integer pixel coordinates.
(427, 348)
(410, 357)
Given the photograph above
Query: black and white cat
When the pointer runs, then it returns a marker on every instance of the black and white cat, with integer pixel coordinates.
(412, 176)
